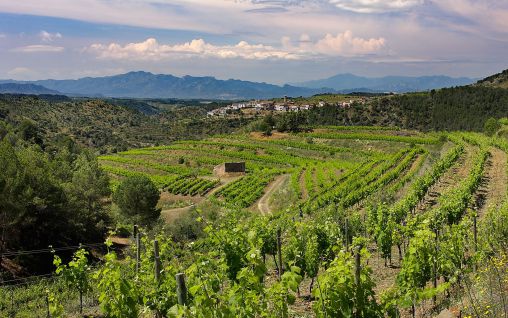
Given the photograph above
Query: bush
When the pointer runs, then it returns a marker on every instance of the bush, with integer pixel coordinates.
(491, 126)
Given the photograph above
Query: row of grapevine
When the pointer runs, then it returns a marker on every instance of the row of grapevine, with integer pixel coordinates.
(450, 232)
(145, 163)
(191, 186)
(420, 186)
(175, 184)
(378, 137)
(295, 181)
(383, 180)
(246, 190)
(319, 147)
(360, 128)
(362, 178)
(396, 186)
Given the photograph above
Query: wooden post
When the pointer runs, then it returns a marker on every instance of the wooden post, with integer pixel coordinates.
(48, 314)
(358, 283)
(181, 289)
(157, 273)
(13, 313)
(279, 252)
(475, 237)
(475, 233)
(138, 251)
(434, 266)
(135, 231)
(81, 302)
(346, 234)
(157, 260)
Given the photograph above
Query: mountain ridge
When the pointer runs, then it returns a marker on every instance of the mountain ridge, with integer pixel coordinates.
(141, 84)
(399, 84)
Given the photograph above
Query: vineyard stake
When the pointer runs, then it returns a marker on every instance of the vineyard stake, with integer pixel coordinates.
(48, 314)
(13, 313)
(475, 236)
(138, 251)
(157, 270)
(135, 231)
(434, 265)
(279, 252)
(346, 225)
(181, 289)
(157, 260)
(359, 291)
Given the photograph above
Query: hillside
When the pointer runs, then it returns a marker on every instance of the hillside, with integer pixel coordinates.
(110, 126)
(332, 199)
(499, 80)
(399, 84)
(17, 88)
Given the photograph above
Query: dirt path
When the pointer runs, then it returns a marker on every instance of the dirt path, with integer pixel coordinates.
(492, 190)
(263, 203)
(170, 215)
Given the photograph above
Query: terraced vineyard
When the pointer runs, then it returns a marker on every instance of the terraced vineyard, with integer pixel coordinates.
(361, 221)
(316, 165)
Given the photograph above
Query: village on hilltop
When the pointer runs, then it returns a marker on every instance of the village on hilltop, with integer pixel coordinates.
(285, 105)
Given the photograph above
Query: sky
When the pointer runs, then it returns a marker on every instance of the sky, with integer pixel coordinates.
(274, 41)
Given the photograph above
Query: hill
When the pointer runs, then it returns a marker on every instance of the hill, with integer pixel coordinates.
(399, 84)
(110, 125)
(499, 80)
(21, 88)
(148, 85)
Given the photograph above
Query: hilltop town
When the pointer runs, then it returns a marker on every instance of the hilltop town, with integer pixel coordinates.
(286, 104)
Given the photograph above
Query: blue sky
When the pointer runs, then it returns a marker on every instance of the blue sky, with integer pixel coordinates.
(275, 41)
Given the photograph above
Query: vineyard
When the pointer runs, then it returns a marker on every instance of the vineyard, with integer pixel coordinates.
(368, 222)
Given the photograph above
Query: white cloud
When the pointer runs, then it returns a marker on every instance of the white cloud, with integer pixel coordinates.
(3, 36)
(375, 6)
(49, 37)
(346, 44)
(342, 44)
(39, 48)
(151, 49)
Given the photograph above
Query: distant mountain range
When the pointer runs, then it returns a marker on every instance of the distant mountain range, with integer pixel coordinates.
(148, 85)
(399, 84)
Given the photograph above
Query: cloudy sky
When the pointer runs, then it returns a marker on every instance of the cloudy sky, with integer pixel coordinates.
(275, 41)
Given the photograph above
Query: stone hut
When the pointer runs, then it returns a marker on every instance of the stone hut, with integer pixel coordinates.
(229, 169)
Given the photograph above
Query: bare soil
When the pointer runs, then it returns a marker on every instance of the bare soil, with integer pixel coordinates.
(492, 190)
(263, 203)
(449, 179)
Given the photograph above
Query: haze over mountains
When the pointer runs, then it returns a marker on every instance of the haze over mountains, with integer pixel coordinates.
(147, 85)
(399, 84)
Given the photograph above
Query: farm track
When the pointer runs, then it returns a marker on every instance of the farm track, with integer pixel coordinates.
(264, 202)
(459, 171)
(492, 190)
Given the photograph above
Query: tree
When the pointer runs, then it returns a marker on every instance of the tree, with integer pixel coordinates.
(491, 126)
(86, 192)
(137, 199)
